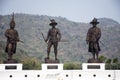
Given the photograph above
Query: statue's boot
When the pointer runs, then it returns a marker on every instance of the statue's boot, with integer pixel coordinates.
(9, 57)
(93, 55)
(97, 56)
(48, 53)
(56, 57)
(48, 58)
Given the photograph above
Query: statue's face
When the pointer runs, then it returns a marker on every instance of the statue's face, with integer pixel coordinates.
(12, 26)
(53, 25)
(94, 24)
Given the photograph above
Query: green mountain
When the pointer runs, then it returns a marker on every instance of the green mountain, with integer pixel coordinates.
(75, 50)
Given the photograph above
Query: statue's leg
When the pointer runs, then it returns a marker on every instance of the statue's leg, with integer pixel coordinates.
(96, 50)
(92, 49)
(55, 50)
(9, 51)
(97, 54)
(93, 55)
(13, 50)
(48, 49)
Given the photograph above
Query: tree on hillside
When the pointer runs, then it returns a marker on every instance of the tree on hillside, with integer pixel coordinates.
(108, 63)
(102, 58)
(31, 63)
(115, 63)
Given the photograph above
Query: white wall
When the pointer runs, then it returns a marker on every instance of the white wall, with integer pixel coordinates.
(58, 74)
(117, 75)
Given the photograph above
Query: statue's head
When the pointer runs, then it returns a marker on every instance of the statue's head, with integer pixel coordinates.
(94, 22)
(53, 23)
(12, 22)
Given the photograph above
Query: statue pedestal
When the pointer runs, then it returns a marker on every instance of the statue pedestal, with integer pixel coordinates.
(51, 61)
(93, 66)
(54, 66)
(51, 64)
(13, 66)
(94, 61)
(11, 61)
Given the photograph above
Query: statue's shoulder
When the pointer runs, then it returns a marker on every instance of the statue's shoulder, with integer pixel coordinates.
(15, 30)
(57, 29)
(50, 29)
(7, 29)
(98, 28)
(91, 28)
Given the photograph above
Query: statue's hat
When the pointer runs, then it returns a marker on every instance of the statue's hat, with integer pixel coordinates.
(12, 22)
(94, 21)
(53, 22)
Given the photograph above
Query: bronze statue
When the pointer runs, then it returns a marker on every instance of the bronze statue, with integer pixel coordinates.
(12, 39)
(93, 37)
(53, 37)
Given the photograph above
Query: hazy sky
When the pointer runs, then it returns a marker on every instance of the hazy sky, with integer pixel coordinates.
(75, 10)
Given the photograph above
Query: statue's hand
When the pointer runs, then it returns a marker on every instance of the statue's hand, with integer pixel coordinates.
(46, 40)
(9, 36)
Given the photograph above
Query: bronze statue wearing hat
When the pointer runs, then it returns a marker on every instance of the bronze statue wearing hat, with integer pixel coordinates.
(53, 37)
(12, 39)
(93, 37)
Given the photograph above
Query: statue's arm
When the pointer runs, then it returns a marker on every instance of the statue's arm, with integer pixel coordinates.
(17, 36)
(99, 34)
(7, 34)
(48, 35)
(87, 37)
(59, 35)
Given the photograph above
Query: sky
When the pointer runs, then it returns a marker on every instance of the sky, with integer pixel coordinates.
(75, 10)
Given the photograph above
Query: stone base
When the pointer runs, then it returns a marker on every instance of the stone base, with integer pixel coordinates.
(51, 61)
(56, 66)
(14, 66)
(94, 61)
(93, 66)
(11, 61)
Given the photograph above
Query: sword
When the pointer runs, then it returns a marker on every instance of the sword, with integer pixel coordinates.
(49, 19)
(21, 41)
(57, 40)
(43, 37)
(102, 43)
(18, 41)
